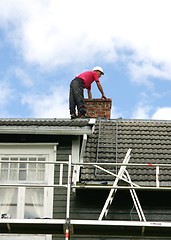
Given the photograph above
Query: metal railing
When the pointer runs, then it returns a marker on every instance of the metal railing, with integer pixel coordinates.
(70, 185)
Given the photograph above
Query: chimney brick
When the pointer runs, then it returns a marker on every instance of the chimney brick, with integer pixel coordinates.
(98, 107)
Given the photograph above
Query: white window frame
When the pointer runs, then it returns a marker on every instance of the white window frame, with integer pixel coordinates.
(46, 149)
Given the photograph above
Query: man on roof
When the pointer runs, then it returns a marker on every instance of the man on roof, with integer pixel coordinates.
(77, 86)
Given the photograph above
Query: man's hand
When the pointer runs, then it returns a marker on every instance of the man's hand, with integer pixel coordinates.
(101, 89)
(103, 96)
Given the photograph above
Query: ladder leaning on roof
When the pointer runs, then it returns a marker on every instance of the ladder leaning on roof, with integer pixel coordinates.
(113, 190)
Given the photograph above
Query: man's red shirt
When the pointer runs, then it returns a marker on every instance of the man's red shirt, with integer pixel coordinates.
(88, 78)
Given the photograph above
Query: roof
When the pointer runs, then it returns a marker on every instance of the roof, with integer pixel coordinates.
(46, 126)
(150, 142)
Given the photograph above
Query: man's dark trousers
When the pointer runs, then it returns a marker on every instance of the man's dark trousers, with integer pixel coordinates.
(76, 97)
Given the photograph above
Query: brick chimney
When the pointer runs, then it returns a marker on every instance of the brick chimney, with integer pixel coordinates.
(98, 107)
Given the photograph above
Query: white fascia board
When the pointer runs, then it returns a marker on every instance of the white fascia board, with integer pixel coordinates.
(47, 130)
(154, 224)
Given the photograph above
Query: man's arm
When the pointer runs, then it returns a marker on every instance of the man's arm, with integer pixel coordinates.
(101, 89)
(89, 93)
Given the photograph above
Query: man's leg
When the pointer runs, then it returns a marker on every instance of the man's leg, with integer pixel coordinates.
(72, 103)
(79, 97)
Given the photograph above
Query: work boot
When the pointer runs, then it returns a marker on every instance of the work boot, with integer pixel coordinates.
(73, 116)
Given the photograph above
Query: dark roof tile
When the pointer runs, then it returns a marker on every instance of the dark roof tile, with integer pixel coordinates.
(150, 143)
(43, 122)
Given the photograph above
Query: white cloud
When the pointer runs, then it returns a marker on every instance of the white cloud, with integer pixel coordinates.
(115, 113)
(143, 71)
(50, 33)
(141, 111)
(162, 114)
(54, 105)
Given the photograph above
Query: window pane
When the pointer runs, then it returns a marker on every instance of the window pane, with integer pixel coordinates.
(5, 159)
(4, 169)
(41, 169)
(34, 203)
(22, 169)
(13, 176)
(22, 175)
(8, 202)
(4, 165)
(14, 169)
(4, 175)
(41, 175)
(22, 165)
(13, 165)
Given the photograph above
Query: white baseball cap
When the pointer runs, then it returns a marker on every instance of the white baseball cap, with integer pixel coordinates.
(97, 68)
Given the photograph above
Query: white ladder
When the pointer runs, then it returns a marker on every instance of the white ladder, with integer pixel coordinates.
(135, 199)
(113, 190)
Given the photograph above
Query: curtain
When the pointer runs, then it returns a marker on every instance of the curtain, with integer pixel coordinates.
(8, 202)
(8, 196)
(34, 207)
(19, 172)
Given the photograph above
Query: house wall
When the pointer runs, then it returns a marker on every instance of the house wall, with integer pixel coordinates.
(87, 204)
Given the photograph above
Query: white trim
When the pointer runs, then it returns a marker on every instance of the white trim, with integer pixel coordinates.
(21, 202)
(27, 144)
(65, 130)
(75, 150)
(83, 147)
(24, 237)
(52, 222)
(75, 159)
(47, 150)
(154, 224)
(96, 226)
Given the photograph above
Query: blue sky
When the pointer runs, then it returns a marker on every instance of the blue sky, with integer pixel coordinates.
(45, 43)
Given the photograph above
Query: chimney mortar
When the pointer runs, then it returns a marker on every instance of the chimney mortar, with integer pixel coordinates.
(98, 107)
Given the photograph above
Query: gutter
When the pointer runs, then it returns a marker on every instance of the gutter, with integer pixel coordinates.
(49, 130)
(46, 130)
